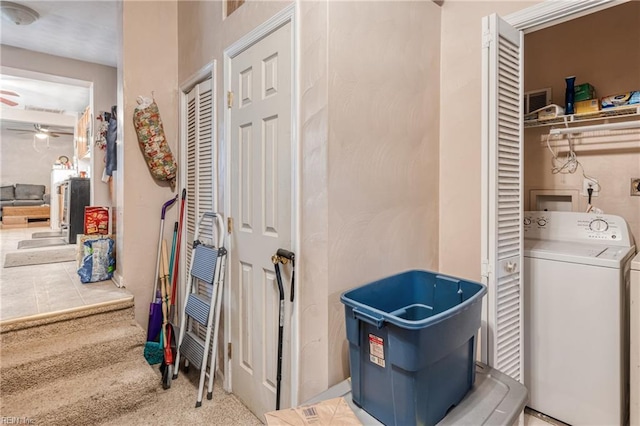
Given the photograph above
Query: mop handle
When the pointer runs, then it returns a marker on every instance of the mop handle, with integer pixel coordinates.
(165, 206)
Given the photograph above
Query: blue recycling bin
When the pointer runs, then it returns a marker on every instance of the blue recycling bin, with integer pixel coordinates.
(412, 345)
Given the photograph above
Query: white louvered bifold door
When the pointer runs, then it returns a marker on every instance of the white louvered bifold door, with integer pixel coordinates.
(502, 196)
(200, 166)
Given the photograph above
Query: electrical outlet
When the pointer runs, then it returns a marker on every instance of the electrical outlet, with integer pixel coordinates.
(635, 186)
(588, 183)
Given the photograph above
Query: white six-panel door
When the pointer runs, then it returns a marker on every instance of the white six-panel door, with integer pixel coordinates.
(260, 174)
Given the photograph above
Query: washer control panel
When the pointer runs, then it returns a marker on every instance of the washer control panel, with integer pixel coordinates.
(574, 226)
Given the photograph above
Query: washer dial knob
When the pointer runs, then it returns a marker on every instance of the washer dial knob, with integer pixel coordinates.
(598, 225)
(527, 221)
(542, 221)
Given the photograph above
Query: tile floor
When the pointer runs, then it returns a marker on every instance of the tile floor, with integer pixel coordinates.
(41, 289)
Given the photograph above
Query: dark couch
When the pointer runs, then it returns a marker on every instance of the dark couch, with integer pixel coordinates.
(22, 194)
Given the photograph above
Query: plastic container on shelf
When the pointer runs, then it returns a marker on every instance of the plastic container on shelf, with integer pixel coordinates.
(412, 344)
(569, 97)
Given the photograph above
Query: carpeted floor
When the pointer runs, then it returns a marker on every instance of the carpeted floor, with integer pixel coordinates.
(41, 242)
(24, 258)
(176, 406)
(87, 367)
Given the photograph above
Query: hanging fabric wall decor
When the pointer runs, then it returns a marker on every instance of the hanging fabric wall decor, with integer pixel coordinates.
(101, 132)
(154, 146)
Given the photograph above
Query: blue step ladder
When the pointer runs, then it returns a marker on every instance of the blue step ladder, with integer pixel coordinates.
(202, 308)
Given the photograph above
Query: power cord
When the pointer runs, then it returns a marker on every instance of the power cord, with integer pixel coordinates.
(569, 164)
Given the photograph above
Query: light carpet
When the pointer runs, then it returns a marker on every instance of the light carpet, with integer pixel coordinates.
(24, 258)
(88, 368)
(81, 371)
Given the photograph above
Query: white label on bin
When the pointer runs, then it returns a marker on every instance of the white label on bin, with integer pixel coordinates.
(376, 350)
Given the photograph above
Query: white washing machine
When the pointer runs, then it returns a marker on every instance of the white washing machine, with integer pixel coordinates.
(576, 280)
(634, 305)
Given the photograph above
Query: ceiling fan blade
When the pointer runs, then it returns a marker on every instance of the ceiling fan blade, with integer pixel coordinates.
(21, 130)
(8, 102)
(53, 135)
(61, 133)
(9, 93)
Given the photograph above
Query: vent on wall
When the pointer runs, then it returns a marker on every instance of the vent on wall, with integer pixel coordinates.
(36, 108)
(536, 99)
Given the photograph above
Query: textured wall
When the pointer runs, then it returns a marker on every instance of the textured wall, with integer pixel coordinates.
(150, 49)
(384, 60)
(314, 226)
(550, 55)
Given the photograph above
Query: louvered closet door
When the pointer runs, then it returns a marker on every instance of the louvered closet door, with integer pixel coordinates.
(200, 169)
(502, 238)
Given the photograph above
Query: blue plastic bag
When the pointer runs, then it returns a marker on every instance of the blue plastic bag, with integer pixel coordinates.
(98, 260)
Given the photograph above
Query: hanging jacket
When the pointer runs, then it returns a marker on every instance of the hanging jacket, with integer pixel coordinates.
(111, 159)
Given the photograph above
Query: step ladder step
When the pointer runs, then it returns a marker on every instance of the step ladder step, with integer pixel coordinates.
(198, 309)
(204, 263)
(193, 349)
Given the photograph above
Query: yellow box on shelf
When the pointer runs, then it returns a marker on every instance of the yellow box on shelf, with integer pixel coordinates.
(588, 106)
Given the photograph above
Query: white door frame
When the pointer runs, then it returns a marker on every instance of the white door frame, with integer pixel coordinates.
(534, 18)
(288, 14)
(551, 12)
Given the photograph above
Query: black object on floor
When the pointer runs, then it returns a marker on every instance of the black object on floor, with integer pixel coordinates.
(50, 234)
(45, 242)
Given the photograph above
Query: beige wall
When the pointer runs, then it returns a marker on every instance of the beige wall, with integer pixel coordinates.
(460, 132)
(611, 64)
(104, 79)
(368, 143)
(384, 60)
(149, 60)
(314, 202)
(21, 163)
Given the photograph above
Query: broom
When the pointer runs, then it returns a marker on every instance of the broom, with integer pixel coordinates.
(154, 329)
(154, 351)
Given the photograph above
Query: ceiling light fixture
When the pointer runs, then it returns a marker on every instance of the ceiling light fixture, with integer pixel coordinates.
(18, 14)
(40, 137)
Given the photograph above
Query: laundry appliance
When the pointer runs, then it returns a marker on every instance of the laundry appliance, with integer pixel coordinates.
(634, 317)
(576, 284)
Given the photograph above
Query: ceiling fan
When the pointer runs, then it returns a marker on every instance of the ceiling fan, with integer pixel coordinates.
(7, 100)
(42, 132)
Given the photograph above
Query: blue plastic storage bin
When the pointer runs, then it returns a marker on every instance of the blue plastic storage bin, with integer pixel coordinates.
(412, 344)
